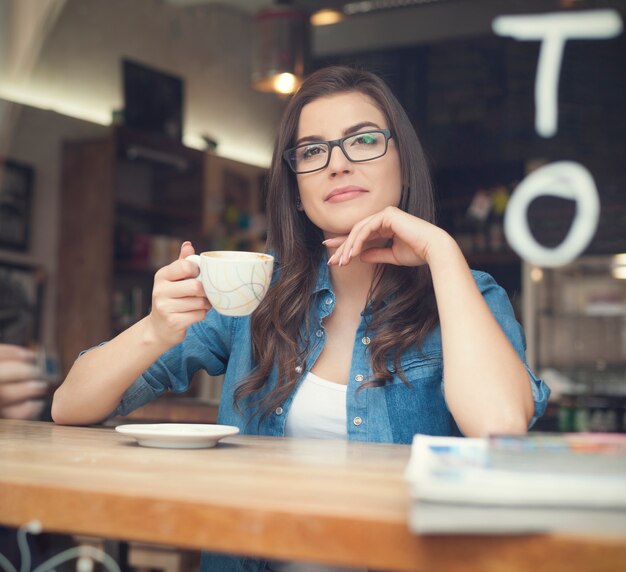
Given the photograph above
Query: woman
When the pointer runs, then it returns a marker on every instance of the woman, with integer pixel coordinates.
(374, 328)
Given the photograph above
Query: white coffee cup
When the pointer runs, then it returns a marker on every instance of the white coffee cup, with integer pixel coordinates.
(234, 282)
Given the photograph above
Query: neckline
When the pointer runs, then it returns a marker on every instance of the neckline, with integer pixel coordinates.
(316, 379)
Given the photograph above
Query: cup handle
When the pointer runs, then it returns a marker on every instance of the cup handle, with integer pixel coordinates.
(196, 260)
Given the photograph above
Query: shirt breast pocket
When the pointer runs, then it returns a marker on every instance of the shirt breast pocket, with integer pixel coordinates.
(418, 406)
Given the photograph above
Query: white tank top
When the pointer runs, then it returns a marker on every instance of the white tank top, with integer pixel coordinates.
(318, 410)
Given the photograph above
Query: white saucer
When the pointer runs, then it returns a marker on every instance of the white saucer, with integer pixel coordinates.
(177, 435)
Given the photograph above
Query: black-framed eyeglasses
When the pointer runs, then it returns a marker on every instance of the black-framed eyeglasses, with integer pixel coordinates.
(360, 147)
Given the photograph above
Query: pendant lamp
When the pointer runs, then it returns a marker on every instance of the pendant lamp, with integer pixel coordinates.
(281, 48)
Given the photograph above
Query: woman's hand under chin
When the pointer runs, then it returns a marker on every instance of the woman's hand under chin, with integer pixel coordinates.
(411, 240)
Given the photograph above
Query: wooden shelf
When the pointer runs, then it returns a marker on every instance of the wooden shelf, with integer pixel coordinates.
(127, 137)
(100, 194)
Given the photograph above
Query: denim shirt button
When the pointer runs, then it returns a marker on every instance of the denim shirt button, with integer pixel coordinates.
(357, 421)
(328, 301)
(279, 411)
(358, 377)
(319, 333)
(365, 341)
(298, 369)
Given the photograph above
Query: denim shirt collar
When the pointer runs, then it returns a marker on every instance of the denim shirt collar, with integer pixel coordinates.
(324, 282)
(323, 276)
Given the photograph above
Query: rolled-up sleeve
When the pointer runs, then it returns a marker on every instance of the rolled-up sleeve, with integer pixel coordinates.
(207, 346)
(498, 301)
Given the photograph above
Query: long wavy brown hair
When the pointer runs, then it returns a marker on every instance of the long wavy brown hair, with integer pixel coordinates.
(401, 298)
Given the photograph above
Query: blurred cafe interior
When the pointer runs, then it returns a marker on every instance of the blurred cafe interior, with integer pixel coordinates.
(127, 127)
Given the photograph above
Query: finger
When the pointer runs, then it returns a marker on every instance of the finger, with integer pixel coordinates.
(186, 249)
(189, 287)
(11, 393)
(197, 316)
(17, 353)
(189, 318)
(372, 229)
(333, 259)
(357, 231)
(336, 257)
(11, 371)
(340, 257)
(182, 305)
(335, 241)
(378, 256)
(25, 410)
(332, 245)
(178, 270)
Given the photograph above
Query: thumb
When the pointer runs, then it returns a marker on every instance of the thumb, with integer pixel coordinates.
(378, 256)
(186, 249)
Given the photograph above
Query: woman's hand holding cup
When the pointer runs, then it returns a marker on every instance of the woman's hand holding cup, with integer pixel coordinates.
(235, 282)
(178, 299)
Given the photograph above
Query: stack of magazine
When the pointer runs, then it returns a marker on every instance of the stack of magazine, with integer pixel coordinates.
(572, 483)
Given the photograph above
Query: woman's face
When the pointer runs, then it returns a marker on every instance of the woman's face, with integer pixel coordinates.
(343, 193)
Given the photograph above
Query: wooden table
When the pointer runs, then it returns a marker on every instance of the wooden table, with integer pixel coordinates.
(334, 502)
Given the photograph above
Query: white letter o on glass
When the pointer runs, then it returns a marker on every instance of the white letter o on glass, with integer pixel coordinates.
(564, 179)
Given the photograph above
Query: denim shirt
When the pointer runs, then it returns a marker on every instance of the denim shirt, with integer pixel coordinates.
(389, 414)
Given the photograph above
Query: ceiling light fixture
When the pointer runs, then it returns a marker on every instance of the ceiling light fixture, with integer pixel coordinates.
(281, 48)
(326, 17)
